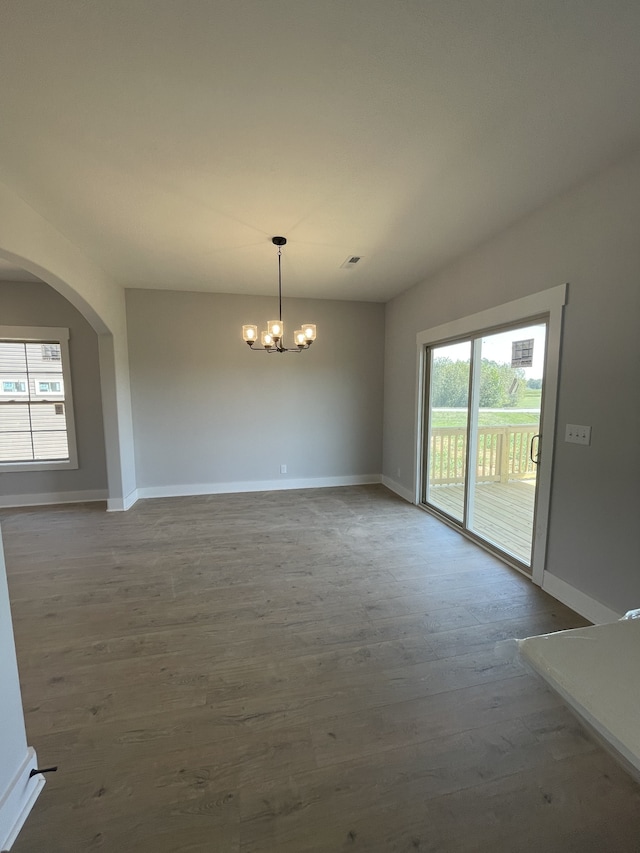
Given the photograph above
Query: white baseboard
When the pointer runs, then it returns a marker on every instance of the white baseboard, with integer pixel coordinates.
(122, 504)
(398, 489)
(583, 604)
(184, 490)
(191, 489)
(47, 498)
(17, 801)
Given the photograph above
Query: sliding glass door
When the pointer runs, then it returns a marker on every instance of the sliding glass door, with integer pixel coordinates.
(448, 422)
(482, 435)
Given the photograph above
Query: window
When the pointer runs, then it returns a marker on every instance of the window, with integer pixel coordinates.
(49, 387)
(36, 414)
(14, 388)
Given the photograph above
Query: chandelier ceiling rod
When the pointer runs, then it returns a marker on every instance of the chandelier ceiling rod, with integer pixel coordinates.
(276, 242)
(273, 338)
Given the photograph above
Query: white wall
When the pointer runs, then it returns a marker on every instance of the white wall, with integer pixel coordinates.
(35, 304)
(207, 410)
(589, 238)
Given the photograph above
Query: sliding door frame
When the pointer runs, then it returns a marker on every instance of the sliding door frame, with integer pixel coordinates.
(547, 304)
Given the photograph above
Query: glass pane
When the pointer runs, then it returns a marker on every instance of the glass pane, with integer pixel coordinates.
(448, 418)
(12, 357)
(45, 417)
(45, 358)
(50, 445)
(14, 417)
(47, 386)
(502, 498)
(15, 447)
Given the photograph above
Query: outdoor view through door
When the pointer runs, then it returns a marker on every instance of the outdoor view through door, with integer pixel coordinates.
(484, 402)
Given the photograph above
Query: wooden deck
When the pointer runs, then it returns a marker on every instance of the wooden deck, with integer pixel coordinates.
(503, 513)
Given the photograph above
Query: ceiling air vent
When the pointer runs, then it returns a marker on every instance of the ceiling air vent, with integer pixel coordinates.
(351, 262)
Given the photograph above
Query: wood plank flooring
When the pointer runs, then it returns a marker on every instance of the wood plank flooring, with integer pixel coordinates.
(293, 672)
(503, 513)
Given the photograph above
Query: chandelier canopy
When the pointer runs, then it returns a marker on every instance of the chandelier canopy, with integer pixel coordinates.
(272, 339)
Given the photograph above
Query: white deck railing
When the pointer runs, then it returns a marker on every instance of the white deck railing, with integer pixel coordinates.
(503, 454)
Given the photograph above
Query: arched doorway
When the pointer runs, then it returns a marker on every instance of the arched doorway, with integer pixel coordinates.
(113, 377)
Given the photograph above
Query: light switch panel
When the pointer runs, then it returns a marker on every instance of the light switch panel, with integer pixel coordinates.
(578, 434)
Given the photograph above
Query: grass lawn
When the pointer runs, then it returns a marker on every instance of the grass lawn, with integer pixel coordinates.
(530, 399)
(512, 418)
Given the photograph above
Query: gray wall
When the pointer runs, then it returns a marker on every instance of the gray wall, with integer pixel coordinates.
(589, 238)
(37, 304)
(207, 410)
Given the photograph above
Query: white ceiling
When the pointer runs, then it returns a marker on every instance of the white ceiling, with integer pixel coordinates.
(170, 140)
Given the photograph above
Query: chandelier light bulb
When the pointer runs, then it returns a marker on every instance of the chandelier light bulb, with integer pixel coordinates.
(250, 333)
(275, 328)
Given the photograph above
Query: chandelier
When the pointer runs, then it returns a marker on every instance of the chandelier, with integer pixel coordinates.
(272, 339)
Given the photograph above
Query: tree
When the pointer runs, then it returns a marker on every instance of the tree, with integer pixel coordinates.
(449, 383)
(500, 384)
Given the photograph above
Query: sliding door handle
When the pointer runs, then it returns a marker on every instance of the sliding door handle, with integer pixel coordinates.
(535, 459)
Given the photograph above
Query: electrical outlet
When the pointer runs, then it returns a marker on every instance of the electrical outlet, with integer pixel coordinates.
(283, 469)
(577, 434)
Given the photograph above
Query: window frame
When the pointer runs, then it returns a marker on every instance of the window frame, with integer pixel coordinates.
(47, 335)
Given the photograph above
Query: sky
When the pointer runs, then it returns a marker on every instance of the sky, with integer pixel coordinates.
(497, 347)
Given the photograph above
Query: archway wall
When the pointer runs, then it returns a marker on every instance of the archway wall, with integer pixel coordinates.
(36, 304)
(30, 241)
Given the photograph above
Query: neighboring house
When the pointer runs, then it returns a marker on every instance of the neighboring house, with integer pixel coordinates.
(32, 410)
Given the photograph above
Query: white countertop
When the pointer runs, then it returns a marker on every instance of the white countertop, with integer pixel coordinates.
(596, 670)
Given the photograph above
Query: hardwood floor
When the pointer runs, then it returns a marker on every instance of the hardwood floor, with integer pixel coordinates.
(293, 672)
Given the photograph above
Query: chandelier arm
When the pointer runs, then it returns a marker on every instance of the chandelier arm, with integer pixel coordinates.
(271, 350)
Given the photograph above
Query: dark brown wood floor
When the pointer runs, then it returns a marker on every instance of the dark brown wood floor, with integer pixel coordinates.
(293, 672)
